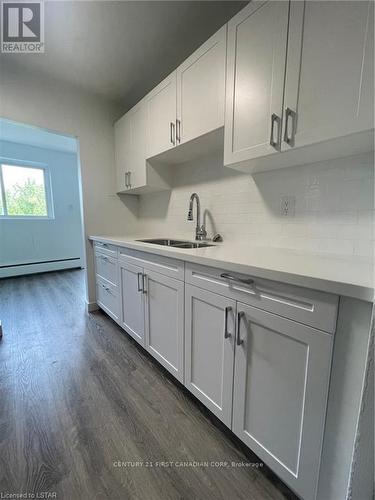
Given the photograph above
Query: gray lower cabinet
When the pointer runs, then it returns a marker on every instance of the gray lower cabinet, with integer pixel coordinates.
(256, 353)
(209, 349)
(152, 312)
(164, 321)
(280, 394)
(266, 377)
(132, 302)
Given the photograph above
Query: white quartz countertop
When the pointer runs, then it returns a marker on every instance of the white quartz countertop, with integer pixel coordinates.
(348, 276)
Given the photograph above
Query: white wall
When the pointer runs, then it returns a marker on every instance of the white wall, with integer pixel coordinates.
(41, 240)
(334, 210)
(27, 98)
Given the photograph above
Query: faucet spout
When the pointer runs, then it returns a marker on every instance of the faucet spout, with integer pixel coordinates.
(200, 230)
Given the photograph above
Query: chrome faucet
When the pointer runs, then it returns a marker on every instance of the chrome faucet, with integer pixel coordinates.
(200, 230)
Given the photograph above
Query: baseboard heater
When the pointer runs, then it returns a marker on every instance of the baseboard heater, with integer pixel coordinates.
(40, 262)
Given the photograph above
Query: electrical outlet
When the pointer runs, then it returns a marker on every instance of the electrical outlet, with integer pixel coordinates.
(287, 206)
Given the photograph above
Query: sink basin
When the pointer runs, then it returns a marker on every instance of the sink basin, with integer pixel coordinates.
(176, 243)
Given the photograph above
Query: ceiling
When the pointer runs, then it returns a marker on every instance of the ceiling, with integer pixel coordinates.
(34, 136)
(121, 49)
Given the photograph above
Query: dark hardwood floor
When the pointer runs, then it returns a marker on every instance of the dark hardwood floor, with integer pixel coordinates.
(87, 414)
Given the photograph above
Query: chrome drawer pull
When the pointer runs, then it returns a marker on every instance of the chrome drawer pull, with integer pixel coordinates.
(275, 119)
(140, 289)
(245, 281)
(144, 281)
(173, 140)
(289, 139)
(226, 333)
(240, 315)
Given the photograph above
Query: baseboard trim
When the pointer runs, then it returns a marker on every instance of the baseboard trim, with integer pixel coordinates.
(91, 306)
(42, 267)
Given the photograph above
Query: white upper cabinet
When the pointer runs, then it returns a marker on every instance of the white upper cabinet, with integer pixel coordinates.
(137, 169)
(329, 88)
(122, 152)
(161, 117)
(257, 41)
(201, 89)
(323, 108)
(130, 149)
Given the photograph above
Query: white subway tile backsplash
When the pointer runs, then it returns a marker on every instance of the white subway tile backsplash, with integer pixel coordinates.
(334, 211)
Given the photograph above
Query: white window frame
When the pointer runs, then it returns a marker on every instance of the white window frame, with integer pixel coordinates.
(47, 188)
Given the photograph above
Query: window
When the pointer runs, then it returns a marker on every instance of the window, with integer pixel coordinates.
(24, 191)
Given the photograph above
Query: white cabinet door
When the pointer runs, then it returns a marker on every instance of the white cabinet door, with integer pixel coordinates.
(164, 321)
(132, 302)
(137, 165)
(257, 41)
(201, 89)
(122, 152)
(209, 349)
(161, 116)
(280, 392)
(330, 71)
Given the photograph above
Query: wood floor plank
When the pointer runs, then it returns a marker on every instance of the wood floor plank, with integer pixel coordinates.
(82, 404)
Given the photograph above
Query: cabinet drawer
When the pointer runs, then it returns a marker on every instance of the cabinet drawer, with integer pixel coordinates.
(173, 268)
(106, 248)
(106, 267)
(107, 297)
(310, 307)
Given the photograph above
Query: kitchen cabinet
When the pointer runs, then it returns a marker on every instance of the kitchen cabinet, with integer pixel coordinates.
(161, 116)
(107, 297)
(329, 87)
(153, 306)
(281, 382)
(255, 352)
(130, 149)
(106, 273)
(164, 321)
(257, 42)
(320, 57)
(132, 301)
(134, 175)
(122, 152)
(201, 89)
(209, 349)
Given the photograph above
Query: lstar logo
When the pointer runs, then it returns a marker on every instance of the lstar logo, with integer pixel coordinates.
(22, 27)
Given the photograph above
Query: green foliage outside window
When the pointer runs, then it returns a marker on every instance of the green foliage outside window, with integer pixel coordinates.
(27, 199)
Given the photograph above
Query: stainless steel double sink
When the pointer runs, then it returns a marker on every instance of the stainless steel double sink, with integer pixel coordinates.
(176, 243)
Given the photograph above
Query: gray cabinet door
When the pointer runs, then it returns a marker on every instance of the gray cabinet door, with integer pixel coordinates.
(280, 391)
(330, 70)
(132, 302)
(209, 350)
(257, 44)
(165, 321)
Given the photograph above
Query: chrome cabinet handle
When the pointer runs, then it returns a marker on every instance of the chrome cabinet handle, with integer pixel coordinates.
(140, 287)
(226, 333)
(240, 315)
(178, 130)
(144, 281)
(246, 281)
(275, 119)
(129, 181)
(173, 140)
(289, 139)
(126, 179)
